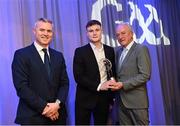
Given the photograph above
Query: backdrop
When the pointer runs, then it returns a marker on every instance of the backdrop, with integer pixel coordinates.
(156, 24)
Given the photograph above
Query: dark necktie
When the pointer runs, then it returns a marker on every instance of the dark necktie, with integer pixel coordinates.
(47, 61)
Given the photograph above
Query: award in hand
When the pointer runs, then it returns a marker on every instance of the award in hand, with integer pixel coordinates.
(108, 66)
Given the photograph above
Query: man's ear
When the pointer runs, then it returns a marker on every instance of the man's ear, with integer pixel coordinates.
(34, 30)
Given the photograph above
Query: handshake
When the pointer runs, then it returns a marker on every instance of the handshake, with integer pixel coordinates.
(111, 84)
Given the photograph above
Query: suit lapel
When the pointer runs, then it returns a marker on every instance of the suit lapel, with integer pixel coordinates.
(52, 62)
(128, 55)
(91, 56)
(106, 52)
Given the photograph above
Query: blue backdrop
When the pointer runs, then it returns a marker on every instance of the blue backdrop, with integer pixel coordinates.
(156, 24)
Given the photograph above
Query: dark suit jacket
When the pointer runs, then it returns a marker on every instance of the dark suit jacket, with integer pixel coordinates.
(134, 73)
(33, 86)
(87, 76)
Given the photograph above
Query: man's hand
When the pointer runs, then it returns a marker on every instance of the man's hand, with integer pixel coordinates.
(55, 116)
(116, 86)
(107, 85)
(51, 111)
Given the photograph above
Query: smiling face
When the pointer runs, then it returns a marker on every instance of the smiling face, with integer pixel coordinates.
(43, 32)
(124, 34)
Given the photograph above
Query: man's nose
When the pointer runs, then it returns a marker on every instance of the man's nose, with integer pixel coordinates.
(45, 32)
(94, 33)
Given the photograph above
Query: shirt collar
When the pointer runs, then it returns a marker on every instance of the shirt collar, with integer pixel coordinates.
(39, 48)
(94, 47)
(129, 45)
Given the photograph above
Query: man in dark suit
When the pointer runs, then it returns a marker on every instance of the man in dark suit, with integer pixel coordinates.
(133, 71)
(40, 79)
(92, 95)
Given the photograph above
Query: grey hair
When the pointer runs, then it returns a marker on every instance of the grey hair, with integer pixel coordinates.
(127, 24)
(45, 20)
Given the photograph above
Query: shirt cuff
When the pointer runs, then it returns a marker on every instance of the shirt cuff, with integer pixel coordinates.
(58, 101)
(98, 88)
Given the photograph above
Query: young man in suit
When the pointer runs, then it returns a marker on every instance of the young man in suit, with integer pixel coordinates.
(92, 94)
(40, 79)
(133, 70)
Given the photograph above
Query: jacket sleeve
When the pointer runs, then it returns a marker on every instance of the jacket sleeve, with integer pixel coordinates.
(64, 82)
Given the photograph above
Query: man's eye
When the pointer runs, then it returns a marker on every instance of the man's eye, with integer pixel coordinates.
(41, 30)
(97, 29)
(90, 30)
(49, 31)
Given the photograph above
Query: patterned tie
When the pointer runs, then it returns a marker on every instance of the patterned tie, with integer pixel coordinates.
(47, 61)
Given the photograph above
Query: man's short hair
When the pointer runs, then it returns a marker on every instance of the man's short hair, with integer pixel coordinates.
(93, 22)
(45, 20)
(127, 24)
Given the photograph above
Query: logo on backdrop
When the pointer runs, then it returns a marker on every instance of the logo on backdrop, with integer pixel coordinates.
(136, 15)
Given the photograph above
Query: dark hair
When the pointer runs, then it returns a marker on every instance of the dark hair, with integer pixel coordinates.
(92, 22)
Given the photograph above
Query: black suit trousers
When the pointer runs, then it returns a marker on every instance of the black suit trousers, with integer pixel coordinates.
(99, 114)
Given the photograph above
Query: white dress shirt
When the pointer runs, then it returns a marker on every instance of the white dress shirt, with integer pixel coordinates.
(39, 49)
(100, 56)
(126, 50)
